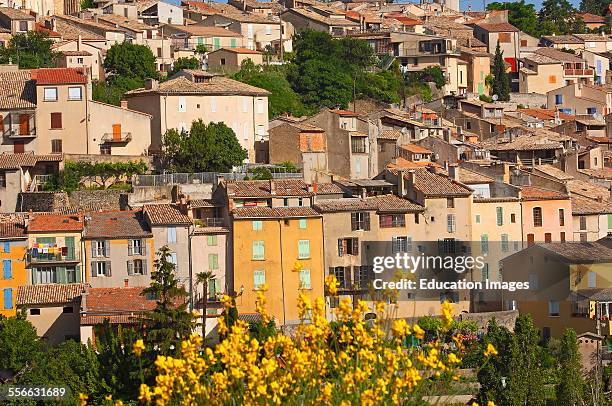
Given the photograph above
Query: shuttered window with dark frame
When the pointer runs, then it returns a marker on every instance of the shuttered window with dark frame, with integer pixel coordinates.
(56, 146)
(348, 246)
(137, 267)
(137, 247)
(100, 268)
(360, 221)
(56, 121)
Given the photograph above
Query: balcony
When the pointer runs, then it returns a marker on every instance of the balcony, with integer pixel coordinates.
(35, 256)
(18, 134)
(210, 222)
(117, 137)
(579, 72)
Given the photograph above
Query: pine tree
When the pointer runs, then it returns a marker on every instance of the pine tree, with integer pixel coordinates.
(501, 81)
(526, 380)
(571, 385)
(170, 322)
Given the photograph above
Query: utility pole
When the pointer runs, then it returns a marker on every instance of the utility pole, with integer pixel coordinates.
(281, 47)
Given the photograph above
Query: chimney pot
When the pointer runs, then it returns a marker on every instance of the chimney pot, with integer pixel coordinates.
(272, 187)
(453, 172)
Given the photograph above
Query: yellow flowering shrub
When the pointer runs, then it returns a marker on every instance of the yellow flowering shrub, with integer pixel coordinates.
(347, 361)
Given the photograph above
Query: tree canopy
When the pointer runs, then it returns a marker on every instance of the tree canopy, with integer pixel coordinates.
(205, 148)
(520, 14)
(597, 7)
(29, 50)
(185, 63)
(130, 60)
(559, 17)
(501, 81)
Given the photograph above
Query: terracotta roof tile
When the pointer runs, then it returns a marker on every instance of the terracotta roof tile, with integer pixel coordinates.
(381, 203)
(583, 206)
(15, 14)
(341, 112)
(202, 31)
(261, 188)
(553, 171)
(591, 18)
(273, 212)
(218, 85)
(327, 188)
(16, 161)
(166, 214)
(14, 229)
(538, 193)
(311, 15)
(49, 294)
(499, 27)
(470, 177)
(116, 225)
(18, 90)
(587, 189)
(563, 39)
(434, 184)
(59, 76)
(579, 252)
(239, 51)
(416, 149)
(49, 222)
(114, 300)
(390, 134)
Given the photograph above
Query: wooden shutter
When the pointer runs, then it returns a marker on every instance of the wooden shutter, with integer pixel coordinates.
(56, 146)
(355, 246)
(130, 267)
(24, 124)
(94, 272)
(107, 249)
(56, 121)
(340, 248)
(18, 147)
(366, 218)
(144, 267)
(108, 268)
(117, 132)
(353, 221)
(93, 248)
(130, 248)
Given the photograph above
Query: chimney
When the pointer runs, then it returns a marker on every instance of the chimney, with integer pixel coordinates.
(447, 134)
(453, 172)
(124, 104)
(401, 190)
(151, 84)
(272, 187)
(410, 183)
(79, 43)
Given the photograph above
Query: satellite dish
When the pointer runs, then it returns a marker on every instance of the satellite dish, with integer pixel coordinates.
(495, 97)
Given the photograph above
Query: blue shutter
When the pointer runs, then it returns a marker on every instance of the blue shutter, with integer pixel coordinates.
(302, 223)
(7, 267)
(8, 298)
(7, 247)
(305, 279)
(259, 278)
(303, 249)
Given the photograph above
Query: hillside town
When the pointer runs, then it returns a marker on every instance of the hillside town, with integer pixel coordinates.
(280, 146)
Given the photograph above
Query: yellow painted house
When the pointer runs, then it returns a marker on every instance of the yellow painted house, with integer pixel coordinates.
(267, 243)
(13, 245)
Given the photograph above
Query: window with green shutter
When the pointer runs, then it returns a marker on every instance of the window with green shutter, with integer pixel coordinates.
(484, 243)
(214, 287)
(217, 43)
(233, 43)
(258, 250)
(302, 224)
(257, 225)
(212, 240)
(303, 249)
(213, 262)
(70, 251)
(200, 41)
(305, 279)
(609, 221)
(259, 278)
(504, 243)
(500, 216)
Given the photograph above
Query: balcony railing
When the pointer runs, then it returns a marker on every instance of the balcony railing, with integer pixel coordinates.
(37, 256)
(117, 137)
(578, 72)
(16, 133)
(210, 222)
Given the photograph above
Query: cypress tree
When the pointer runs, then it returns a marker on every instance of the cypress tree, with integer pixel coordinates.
(501, 82)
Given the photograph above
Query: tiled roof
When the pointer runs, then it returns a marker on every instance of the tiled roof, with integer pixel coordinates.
(341, 112)
(591, 18)
(587, 189)
(218, 85)
(15, 14)
(18, 90)
(327, 188)
(311, 15)
(593, 37)
(127, 23)
(538, 193)
(563, 39)
(14, 229)
(16, 161)
(558, 55)
(254, 18)
(116, 225)
(261, 188)
(434, 184)
(114, 300)
(402, 163)
(49, 222)
(39, 27)
(49, 294)
(201, 31)
(544, 114)
(71, 31)
(470, 177)
(239, 51)
(390, 134)
(200, 203)
(499, 27)
(381, 203)
(603, 173)
(166, 214)
(273, 212)
(584, 206)
(553, 171)
(88, 23)
(59, 76)
(76, 53)
(416, 149)
(541, 140)
(579, 252)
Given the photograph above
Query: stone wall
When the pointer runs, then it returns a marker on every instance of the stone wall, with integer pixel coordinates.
(42, 201)
(529, 100)
(99, 199)
(109, 158)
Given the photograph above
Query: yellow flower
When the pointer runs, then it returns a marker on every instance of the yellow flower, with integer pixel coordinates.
(138, 347)
(83, 399)
(400, 328)
(418, 332)
(490, 350)
(490, 403)
(332, 284)
(474, 404)
(447, 313)
(297, 266)
(118, 403)
(108, 397)
(452, 358)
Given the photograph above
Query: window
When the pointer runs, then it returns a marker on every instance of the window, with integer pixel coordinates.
(106, 149)
(71, 275)
(342, 275)
(362, 276)
(34, 312)
(245, 105)
(257, 225)
(259, 278)
(583, 223)
(213, 262)
(214, 287)
(553, 308)
(137, 267)
(44, 275)
(302, 223)
(478, 219)
(558, 99)
(416, 218)
(401, 244)
(8, 298)
(504, 243)
(100, 249)
(583, 237)
(360, 221)
(100, 268)
(182, 104)
(358, 145)
(56, 146)
(499, 211)
(451, 225)
(305, 279)
(174, 260)
(56, 121)
(23, 26)
(561, 217)
(50, 94)
(484, 273)
(505, 38)
(552, 79)
(222, 61)
(468, 125)
(513, 218)
(258, 250)
(300, 201)
(592, 280)
(285, 202)
(136, 247)
(75, 93)
(547, 237)
(171, 235)
(260, 106)
(211, 240)
(484, 243)
(2, 179)
(7, 269)
(348, 246)
(391, 220)
(450, 202)
(537, 217)
(7, 247)
(562, 236)
(591, 110)
(213, 104)
(303, 249)
(68, 309)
